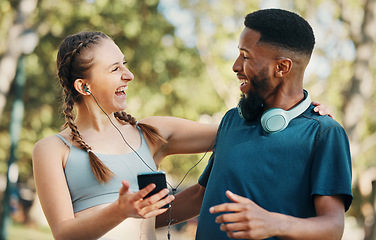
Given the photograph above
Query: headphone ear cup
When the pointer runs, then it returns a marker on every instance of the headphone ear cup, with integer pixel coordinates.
(274, 120)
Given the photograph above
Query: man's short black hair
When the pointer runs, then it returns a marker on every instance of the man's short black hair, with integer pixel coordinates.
(282, 28)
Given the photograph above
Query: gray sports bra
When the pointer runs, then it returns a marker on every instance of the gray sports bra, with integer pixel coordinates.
(84, 188)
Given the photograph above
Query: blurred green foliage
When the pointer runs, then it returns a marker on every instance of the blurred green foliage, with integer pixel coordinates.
(191, 82)
(168, 75)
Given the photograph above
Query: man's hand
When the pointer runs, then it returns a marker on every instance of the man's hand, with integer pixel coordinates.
(246, 219)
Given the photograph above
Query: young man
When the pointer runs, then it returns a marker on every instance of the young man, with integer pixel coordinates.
(279, 170)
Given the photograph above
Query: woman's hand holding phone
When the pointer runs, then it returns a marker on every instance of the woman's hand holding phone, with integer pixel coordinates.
(137, 205)
(157, 178)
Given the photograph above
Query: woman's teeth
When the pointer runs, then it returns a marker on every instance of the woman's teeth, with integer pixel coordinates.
(121, 90)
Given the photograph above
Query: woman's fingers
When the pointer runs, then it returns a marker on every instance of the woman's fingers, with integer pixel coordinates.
(152, 206)
(158, 199)
(146, 190)
(143, 207)
(124, 188)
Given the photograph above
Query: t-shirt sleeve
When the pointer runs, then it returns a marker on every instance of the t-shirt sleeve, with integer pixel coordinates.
(331, 167)
(203, 180)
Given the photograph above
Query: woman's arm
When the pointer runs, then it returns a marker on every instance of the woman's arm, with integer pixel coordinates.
(48, 155)
(186, 136)
(183, 136)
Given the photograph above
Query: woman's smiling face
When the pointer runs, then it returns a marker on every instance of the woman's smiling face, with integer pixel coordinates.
(109, 77)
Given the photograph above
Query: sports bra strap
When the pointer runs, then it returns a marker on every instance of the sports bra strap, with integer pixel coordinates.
(64, 140)
(69, 144)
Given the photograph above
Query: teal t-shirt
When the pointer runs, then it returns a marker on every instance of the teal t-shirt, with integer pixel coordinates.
(279, 171)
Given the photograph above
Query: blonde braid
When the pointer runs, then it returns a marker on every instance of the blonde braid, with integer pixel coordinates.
(101, 172)
(150, 132)
(72, 63)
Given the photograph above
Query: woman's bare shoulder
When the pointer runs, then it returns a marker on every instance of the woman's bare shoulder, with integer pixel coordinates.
(49, 143)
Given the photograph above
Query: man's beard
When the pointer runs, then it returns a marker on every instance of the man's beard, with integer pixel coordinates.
(251, 106)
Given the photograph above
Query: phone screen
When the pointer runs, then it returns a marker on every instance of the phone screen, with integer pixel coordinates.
(158, 178)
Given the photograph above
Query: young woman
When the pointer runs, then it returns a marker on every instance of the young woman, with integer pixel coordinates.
(86, 176)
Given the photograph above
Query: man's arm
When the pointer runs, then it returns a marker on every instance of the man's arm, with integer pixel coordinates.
(187, 204)
(247, 220)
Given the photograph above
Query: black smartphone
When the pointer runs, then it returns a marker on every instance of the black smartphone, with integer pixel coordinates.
(158, 178)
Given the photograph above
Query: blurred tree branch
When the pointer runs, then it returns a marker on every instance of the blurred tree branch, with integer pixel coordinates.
(8, 61)
(361, 86)
(357, 97)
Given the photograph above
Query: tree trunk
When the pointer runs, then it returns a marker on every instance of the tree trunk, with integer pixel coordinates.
(8, 62)
(357, 96)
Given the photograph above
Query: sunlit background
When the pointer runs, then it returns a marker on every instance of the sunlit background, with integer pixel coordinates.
(181, 53)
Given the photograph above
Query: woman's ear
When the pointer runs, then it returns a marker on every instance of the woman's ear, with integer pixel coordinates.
(284, 66)
(81, 86)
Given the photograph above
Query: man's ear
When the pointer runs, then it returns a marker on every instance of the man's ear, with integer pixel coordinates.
(283, 67)
(81, 86)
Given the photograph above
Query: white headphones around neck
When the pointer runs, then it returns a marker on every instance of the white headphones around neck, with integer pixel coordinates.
(276, 119)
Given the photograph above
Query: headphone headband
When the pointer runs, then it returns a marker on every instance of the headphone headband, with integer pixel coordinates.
(276, 119)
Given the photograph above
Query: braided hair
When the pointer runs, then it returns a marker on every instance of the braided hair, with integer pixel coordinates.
(74, 62)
